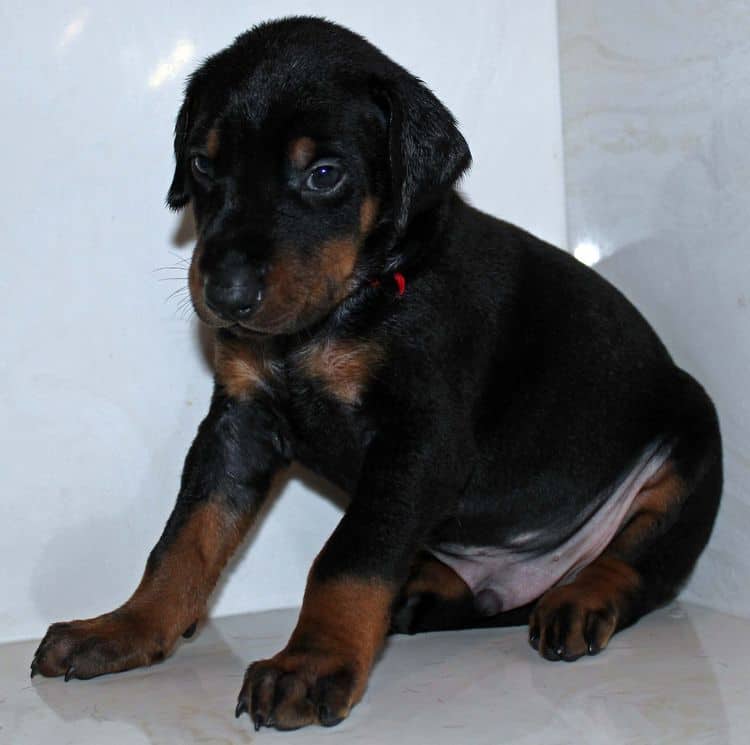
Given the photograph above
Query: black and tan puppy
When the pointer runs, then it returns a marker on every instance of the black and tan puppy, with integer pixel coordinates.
(517, 443)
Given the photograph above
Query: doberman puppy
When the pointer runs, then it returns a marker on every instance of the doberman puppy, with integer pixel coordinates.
(516, 441)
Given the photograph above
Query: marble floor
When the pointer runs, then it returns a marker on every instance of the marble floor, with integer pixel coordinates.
(682, 675)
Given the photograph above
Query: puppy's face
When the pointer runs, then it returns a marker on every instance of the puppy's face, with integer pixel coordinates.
(284, 205)
(285, 148)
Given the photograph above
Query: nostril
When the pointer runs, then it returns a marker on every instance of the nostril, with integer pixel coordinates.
(236, 301)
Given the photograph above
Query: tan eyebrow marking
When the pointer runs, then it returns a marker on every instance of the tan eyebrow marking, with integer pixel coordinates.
(301, 152)
(212, 143)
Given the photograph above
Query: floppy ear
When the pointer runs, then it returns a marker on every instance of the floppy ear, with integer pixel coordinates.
(428, 154)
(178, 195)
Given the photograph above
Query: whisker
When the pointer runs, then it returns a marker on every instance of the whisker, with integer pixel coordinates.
(184, 309)
(175, 293)
(172, 268)
(187, 312)
(184, 302)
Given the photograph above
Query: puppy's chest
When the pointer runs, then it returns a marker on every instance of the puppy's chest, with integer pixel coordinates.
(319, 387)
(339, 369)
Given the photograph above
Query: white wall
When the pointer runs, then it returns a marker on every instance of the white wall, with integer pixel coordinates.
(102, 379)
(656, 111)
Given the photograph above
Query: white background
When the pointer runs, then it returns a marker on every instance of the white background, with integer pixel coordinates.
(656, 112)
(102, 382)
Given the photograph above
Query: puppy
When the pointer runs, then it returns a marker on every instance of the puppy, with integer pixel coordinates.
(517, 443)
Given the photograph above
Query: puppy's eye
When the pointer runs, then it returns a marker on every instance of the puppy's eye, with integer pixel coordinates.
(324, 177)
(201, 167)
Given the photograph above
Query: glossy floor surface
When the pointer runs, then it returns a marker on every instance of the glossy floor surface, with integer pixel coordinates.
(682, 675)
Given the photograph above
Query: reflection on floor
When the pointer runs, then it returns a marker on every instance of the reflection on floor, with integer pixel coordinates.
(682, 675)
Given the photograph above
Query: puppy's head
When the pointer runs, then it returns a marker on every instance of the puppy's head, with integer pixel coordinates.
(306, 154)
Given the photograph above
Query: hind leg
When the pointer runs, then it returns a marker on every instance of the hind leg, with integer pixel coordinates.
(435, 598)
(645, 564)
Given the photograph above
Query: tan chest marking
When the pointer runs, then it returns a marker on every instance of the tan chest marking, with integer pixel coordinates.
(343, 366)
(243, 369)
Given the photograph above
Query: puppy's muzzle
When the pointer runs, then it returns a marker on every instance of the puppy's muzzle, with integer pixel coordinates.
(233, 287)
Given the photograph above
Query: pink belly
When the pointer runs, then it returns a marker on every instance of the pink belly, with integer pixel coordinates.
(506, 577)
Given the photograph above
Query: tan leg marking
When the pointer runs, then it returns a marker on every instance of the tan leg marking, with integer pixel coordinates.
(580, 618)
(348, 618)
(323, 670)
(655, 506)
(175, 592)
(430, 575)
(170, 598)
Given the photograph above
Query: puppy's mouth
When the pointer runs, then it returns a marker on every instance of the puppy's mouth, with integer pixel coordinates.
(262, 326)
(263, 321)
(245, 331)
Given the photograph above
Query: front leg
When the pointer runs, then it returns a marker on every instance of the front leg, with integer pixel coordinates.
(226, 476)
(345, 616)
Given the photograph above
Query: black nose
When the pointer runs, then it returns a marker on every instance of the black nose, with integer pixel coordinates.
(233, 279)
(235, 301)
(233, 285)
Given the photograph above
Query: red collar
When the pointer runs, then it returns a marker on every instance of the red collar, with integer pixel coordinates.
(398, 279)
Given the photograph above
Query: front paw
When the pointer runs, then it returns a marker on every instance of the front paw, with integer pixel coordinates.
(294, 689)
(107, 644)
